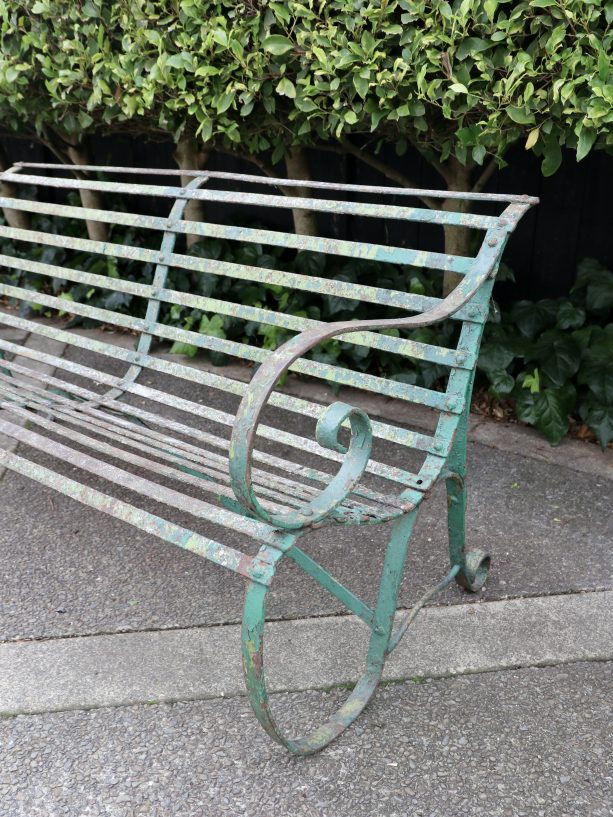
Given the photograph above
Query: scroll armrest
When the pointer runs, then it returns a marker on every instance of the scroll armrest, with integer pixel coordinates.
(330, 422)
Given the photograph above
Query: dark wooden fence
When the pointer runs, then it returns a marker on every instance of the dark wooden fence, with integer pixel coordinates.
(573, 221)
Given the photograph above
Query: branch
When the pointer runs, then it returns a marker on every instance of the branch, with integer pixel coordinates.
(267, 170)
(382, 167)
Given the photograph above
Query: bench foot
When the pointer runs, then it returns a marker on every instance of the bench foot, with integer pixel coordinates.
(253, 666)
(474, 564)
(383, 619)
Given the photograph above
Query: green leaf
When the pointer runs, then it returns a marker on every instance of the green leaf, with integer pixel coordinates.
(361, 85)
(459, 88)
(520, 115)
(494, 357)
(286, 87)
(587, 138)
(277, 44)
(281, 11)
(598, 285)
(532, 381)
(570, 316)
(599, 417)
(186, 349)
(90, 9)
(501, 382)
(532, 317)
(558, 354)
(552, 157)
(596, 372)
(532, 139)
(471, 45)
(224, 102)
(490, 7)
(548, 411)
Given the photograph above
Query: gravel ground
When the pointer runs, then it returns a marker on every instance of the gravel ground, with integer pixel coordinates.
(529, 743)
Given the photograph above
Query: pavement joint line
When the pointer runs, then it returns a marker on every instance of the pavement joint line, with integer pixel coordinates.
(43, 639)
(204, 664)
(385, 682)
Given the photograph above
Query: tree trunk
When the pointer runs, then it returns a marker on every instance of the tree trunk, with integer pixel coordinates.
(297, 165)
(191, 155)
(78, 153)
(457, 239)
(14, 218)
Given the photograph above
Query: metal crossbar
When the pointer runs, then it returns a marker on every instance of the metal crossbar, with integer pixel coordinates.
(270, 482)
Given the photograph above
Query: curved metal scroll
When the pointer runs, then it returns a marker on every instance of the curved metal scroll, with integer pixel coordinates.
(264, 380)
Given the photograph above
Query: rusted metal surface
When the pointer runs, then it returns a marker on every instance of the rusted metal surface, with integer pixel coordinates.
(160, 446)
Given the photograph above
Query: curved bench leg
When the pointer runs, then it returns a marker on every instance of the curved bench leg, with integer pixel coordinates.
(474, 564)
(253, 650)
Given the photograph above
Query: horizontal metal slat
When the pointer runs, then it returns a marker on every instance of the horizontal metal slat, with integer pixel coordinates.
(280, 182)
(389, 388)
(217, 488)
(398, 435)
(215, 552)
(260, 531)
(332, 246)
(386, 343)
(178, 450)
(244, 272)
(385, 211)
(278, 493)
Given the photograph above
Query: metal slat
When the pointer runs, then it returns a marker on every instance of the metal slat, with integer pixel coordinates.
(384, 211)
(259, 531)
(113, 451)
(180, 453)
(323, 371)
(279, 182)
(192, 473)
(386, 343)
(394, 474)
(215, 552)
(244, 272)
(237, 387)
(331, 246)
(276, 435)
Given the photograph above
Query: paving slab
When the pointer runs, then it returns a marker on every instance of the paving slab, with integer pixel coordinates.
(525, 743)
(316, 653)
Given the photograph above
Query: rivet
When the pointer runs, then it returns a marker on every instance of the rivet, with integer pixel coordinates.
(492, 242)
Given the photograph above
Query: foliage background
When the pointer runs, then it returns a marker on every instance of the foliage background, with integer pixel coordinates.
(455, 89)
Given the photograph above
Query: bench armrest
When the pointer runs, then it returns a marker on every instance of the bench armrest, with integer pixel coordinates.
(330, 422)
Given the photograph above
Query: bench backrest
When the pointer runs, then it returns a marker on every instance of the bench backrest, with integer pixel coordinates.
(64, 265)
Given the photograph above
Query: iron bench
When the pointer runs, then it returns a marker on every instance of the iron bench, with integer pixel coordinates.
(262, 480)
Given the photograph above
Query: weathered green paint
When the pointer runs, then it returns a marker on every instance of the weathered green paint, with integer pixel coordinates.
(272, 499)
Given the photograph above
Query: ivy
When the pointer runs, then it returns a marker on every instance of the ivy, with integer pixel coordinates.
(562, 365)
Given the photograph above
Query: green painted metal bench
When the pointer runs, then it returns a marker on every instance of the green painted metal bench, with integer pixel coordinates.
(257, 478)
